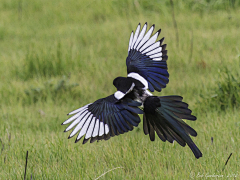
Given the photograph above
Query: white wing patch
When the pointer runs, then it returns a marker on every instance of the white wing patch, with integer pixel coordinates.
(135, 36)
(77, 110)
(149, 42)
(80, 125)
(157, 50)
(146, 37)
(96, 129)
(156, 55)
(130, 42)
(145, 43)
(76, 121)
(86, 124)
(141, 35)
(153, 47)
(106, 129)
(157, 59)
(101, 130)
(71, 119)
(84, 128)
(90, 129)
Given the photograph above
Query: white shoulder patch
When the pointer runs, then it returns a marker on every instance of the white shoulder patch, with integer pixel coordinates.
(139, 78)
(119, 95)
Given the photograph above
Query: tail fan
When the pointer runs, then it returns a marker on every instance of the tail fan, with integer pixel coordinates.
(164, 115)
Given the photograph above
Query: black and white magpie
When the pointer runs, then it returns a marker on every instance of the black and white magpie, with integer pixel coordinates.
(118, 113)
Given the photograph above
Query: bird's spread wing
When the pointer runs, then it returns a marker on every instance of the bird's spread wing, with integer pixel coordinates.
(104, 118)
(146, 59)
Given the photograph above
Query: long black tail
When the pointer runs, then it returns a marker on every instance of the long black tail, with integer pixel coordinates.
(164, 115)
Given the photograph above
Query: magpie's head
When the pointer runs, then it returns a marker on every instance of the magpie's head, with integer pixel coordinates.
(124, 86)
(117, 82)
(122, 83)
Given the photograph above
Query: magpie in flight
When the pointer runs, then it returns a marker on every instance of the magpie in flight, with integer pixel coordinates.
(119, 112)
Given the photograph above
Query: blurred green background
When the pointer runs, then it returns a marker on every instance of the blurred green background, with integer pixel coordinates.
(58, 55)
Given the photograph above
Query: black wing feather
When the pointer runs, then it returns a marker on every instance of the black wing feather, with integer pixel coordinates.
(104, 118)
(147, 55)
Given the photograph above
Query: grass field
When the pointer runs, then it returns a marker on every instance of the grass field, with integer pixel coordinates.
(59, 55)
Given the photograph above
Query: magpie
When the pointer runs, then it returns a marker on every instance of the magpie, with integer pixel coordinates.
(119, 113)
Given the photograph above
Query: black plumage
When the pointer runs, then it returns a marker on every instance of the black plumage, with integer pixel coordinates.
(119, 113)
(105, 117)
(167, 121)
